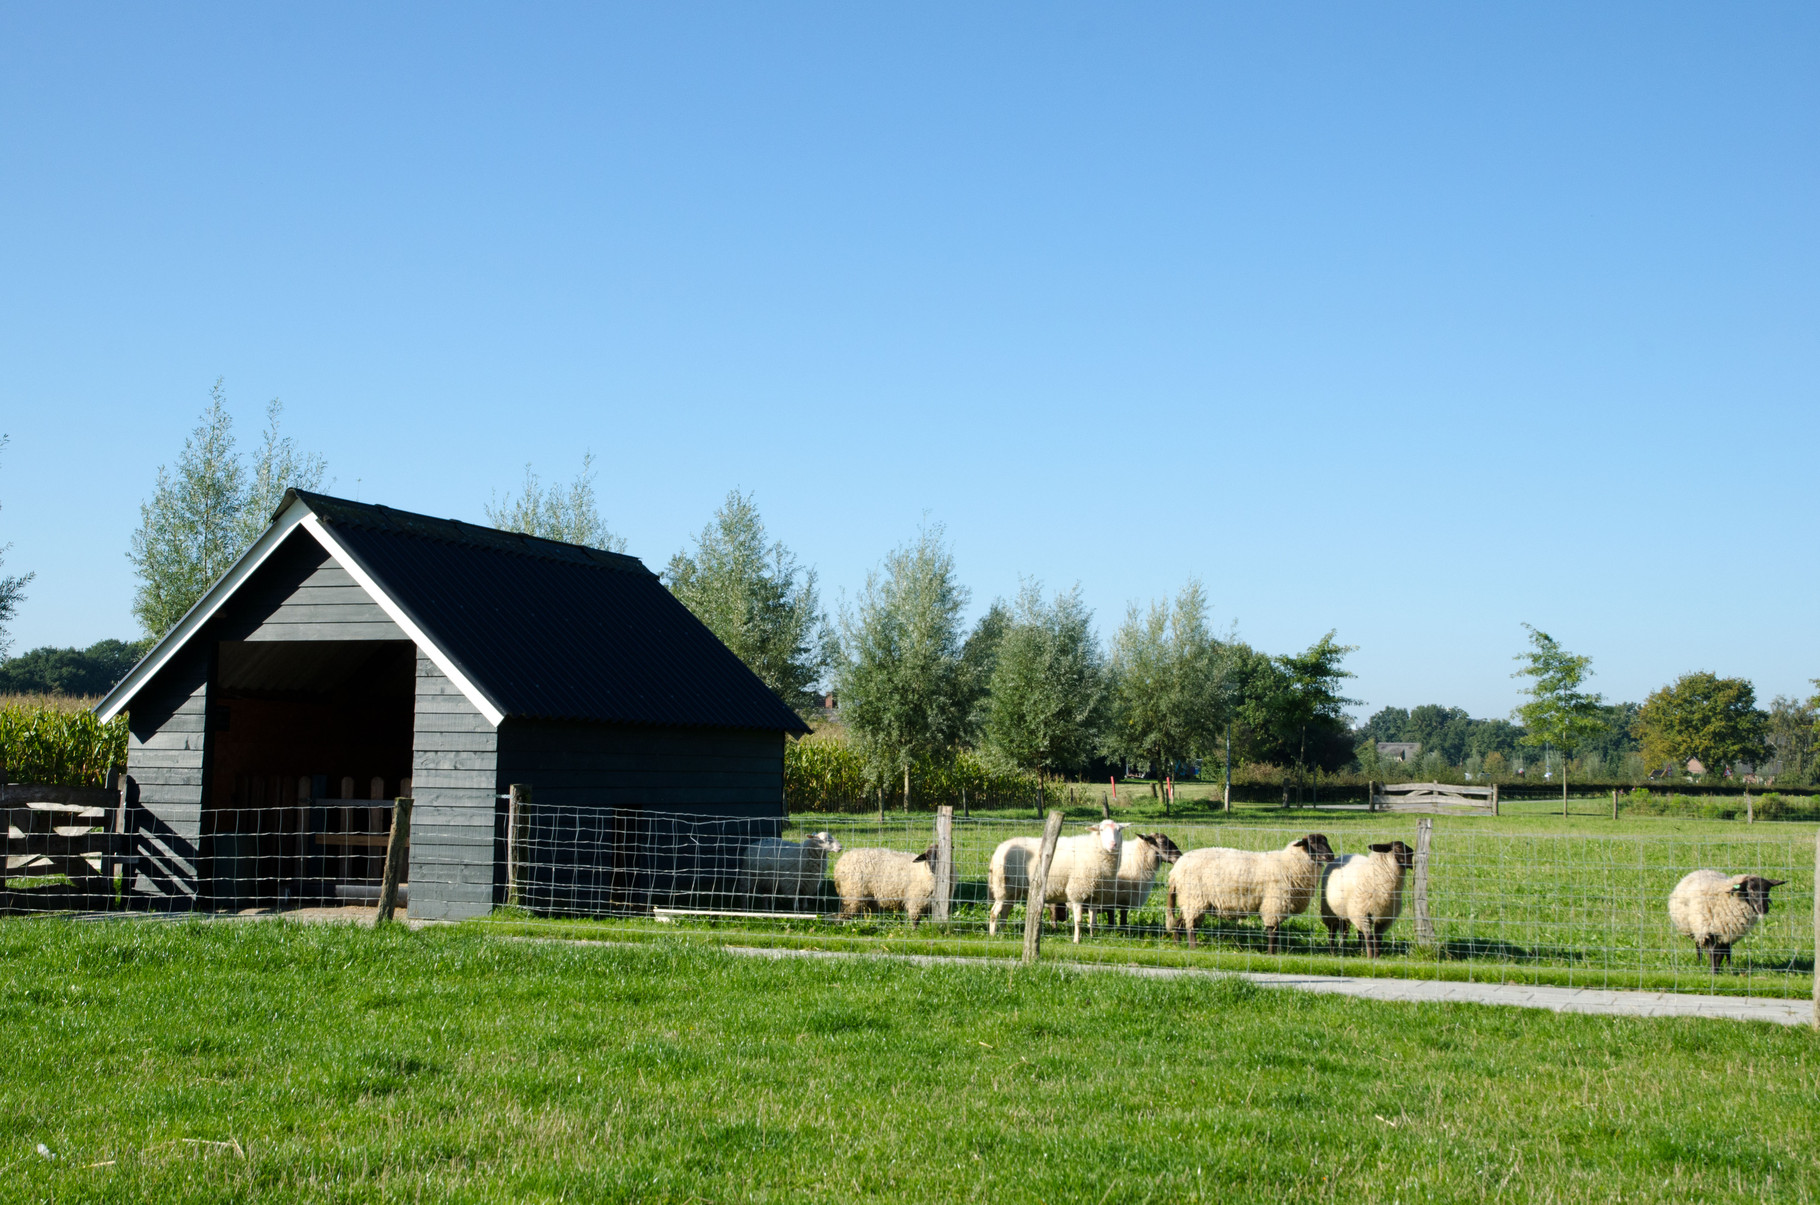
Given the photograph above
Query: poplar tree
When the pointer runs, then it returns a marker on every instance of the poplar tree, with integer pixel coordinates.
(901, 683)
(12, 590)
(1558, 713)
(203, 515)
(569, 515)
(757, 599)
(1047, 701)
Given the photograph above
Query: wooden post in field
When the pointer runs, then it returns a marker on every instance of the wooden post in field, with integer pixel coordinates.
(944, 864)
(518, 803)
(1614, 803)
(1105, 808)
(1425, 928)
(1226, 797)
(1750, 816)
(1039, 887)
(1494, 799)
(397, 850)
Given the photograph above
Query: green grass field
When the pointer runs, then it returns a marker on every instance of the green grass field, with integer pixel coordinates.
(240, 1061)
(1528, 897)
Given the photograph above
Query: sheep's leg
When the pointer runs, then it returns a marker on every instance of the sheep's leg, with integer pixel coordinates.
(1075, 910)
(1270, 939)
(992, 916)
(1188, 923)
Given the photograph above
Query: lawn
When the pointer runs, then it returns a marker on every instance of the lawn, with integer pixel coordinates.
(1526, 897)
(273, 1061)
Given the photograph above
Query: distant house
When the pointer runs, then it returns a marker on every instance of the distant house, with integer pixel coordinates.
(356, 653)
(1399, 750)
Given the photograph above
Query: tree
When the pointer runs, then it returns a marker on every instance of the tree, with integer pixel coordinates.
(1308, 702)
(1046, 705)
(1167, 688)
(54, 671)
(899, 677)
(1701, 715)
(756, 599)
(979, 657)
(12, 590)
(1790, 733)
(1558, 713)
(202, 518)
(570, 515)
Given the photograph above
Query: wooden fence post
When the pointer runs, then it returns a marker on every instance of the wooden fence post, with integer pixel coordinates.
(1614, 803)
(397, 848)
(1105, 808)
(1750, 816)
(944, 864)
(1034, 906)
(1425, 928)
(1494, 799)
(517, 831)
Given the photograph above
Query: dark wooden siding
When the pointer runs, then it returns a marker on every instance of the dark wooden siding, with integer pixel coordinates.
(166, 755)
(454, 778)
(300, 594)
(624, 818)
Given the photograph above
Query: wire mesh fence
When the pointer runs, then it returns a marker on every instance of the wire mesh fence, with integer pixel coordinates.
(1478, 901)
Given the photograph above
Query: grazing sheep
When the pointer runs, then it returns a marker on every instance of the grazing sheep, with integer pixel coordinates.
(777, 868)
(1717, 910)
(1130, 888)
(1076, 870)
(1241, 882)
(1365, 891)
(887, 880)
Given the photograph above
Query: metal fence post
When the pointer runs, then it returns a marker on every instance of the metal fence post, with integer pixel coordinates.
(396, 848)
(1039, 888)
(944, 864)
(1425, 928)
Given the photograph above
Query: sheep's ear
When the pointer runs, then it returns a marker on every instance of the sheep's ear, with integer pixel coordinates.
(928, 855)
(1300, 843)
(1381, 849)
(1774, 882)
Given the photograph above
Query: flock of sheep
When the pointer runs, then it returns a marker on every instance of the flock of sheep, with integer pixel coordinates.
(1102, 872)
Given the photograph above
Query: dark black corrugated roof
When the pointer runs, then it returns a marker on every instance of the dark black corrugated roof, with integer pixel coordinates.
(553, 631)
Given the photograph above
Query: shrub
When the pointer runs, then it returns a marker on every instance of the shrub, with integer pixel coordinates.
(53, 747)
(825, 774)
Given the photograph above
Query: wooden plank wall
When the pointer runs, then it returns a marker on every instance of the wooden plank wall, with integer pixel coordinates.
(300, 594)
(166, 756)
(455, 782)
(711, 771)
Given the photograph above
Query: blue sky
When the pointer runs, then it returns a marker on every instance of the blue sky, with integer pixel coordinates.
(1412, 322)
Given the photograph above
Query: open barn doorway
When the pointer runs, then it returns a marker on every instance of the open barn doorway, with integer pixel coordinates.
(309, 743)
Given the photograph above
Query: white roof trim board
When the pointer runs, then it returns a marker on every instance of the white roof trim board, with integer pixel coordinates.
(443, 661)
(297, 514)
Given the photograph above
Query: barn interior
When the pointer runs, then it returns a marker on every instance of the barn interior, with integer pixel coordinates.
(310, 741)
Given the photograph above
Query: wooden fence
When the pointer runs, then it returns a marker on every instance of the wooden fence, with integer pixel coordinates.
(64, 849)
(1442, 798)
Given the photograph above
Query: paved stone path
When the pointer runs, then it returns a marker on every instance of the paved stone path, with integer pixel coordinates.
(1557, 999)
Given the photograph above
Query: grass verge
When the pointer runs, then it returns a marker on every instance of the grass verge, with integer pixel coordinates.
(271, 1061)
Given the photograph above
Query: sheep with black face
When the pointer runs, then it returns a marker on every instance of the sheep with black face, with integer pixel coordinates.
(1130, 889)
(1717, 909)
(1365, 891)
(1269, 885)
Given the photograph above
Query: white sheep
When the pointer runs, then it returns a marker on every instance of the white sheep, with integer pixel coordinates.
(887, 880)
(1365, 891)
(777, 868)
(1075, 871)
(1270, 885)
(1130, 888)
(1717, 910)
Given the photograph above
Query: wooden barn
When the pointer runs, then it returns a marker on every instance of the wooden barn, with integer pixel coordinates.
(357, 653)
